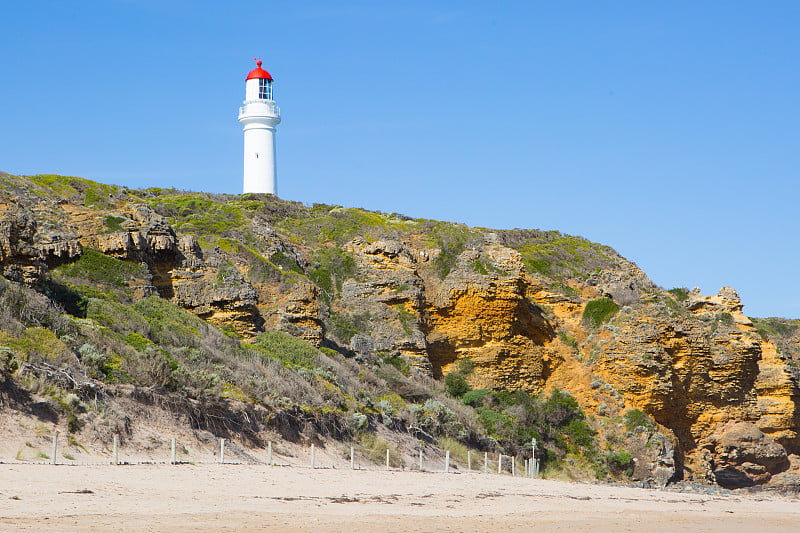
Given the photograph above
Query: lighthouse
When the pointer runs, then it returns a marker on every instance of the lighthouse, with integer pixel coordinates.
(259, 115)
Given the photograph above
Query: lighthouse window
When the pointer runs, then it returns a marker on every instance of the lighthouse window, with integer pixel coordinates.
(264, 89)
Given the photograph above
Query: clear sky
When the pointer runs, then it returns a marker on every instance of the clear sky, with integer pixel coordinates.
(667, 130)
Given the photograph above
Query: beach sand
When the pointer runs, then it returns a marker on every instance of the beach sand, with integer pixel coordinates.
(213, 497)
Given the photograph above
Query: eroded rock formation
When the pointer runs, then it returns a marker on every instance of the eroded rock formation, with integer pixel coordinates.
(724, 398)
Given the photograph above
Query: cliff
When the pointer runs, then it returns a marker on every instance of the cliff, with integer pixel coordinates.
(529, 311)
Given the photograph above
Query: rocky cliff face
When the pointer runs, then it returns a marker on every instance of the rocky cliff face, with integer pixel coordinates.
(725, 399)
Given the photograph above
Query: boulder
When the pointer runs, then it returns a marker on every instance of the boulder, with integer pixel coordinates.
(744, 456)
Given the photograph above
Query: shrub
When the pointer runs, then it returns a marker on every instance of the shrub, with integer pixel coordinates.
(67, 297)
(291, 351)
(557, 255)
(456, 384)
(169, 324)
(636, 418)
(475, 398)
(406, 318)
(285, 263)
(345, 326)
(620, 461)
(113, 223)
(458, 452)
(451, 239)
(399, 363)
(493, 420)
(681, 294)
(97, 267)
(599, 311)
(375, 448)
(332, 267)
(569, 340)
(438, 419)
(775, 328)
(579, 432)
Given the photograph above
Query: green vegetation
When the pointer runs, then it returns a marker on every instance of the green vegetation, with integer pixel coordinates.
(375, 449)
(599, 311)
(458, 452)
(560, 256)
(776, 328)
(95, 195)
(620, 461)
(636, 418)
(289, 350)
(564, 289)
(406, 318)
(455, 382)
(680, 294)
(337, 225)
(67, 297)
(285, 263)
(99, 268)
(568, 340)
(204, 215)
(555, 421)
(475, 397)
(113, 223)
(451, 240)
(484, 267)
(331, 267)
(345, 326)
(399, 363)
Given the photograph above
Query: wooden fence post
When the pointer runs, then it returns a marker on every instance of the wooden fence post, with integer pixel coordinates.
(55, 448)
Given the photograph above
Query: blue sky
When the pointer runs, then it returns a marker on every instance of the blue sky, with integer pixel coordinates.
(668, 131)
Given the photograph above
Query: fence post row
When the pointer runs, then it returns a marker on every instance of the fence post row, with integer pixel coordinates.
(531, 465)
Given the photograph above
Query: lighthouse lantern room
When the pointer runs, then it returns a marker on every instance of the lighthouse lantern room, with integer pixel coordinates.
(259, 115)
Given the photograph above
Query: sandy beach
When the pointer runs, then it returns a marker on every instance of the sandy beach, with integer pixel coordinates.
(213, 497)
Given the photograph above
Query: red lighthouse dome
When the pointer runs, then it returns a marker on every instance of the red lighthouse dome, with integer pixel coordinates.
(259, 73)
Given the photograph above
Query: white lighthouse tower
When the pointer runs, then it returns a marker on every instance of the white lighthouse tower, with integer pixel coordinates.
(259, 115)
